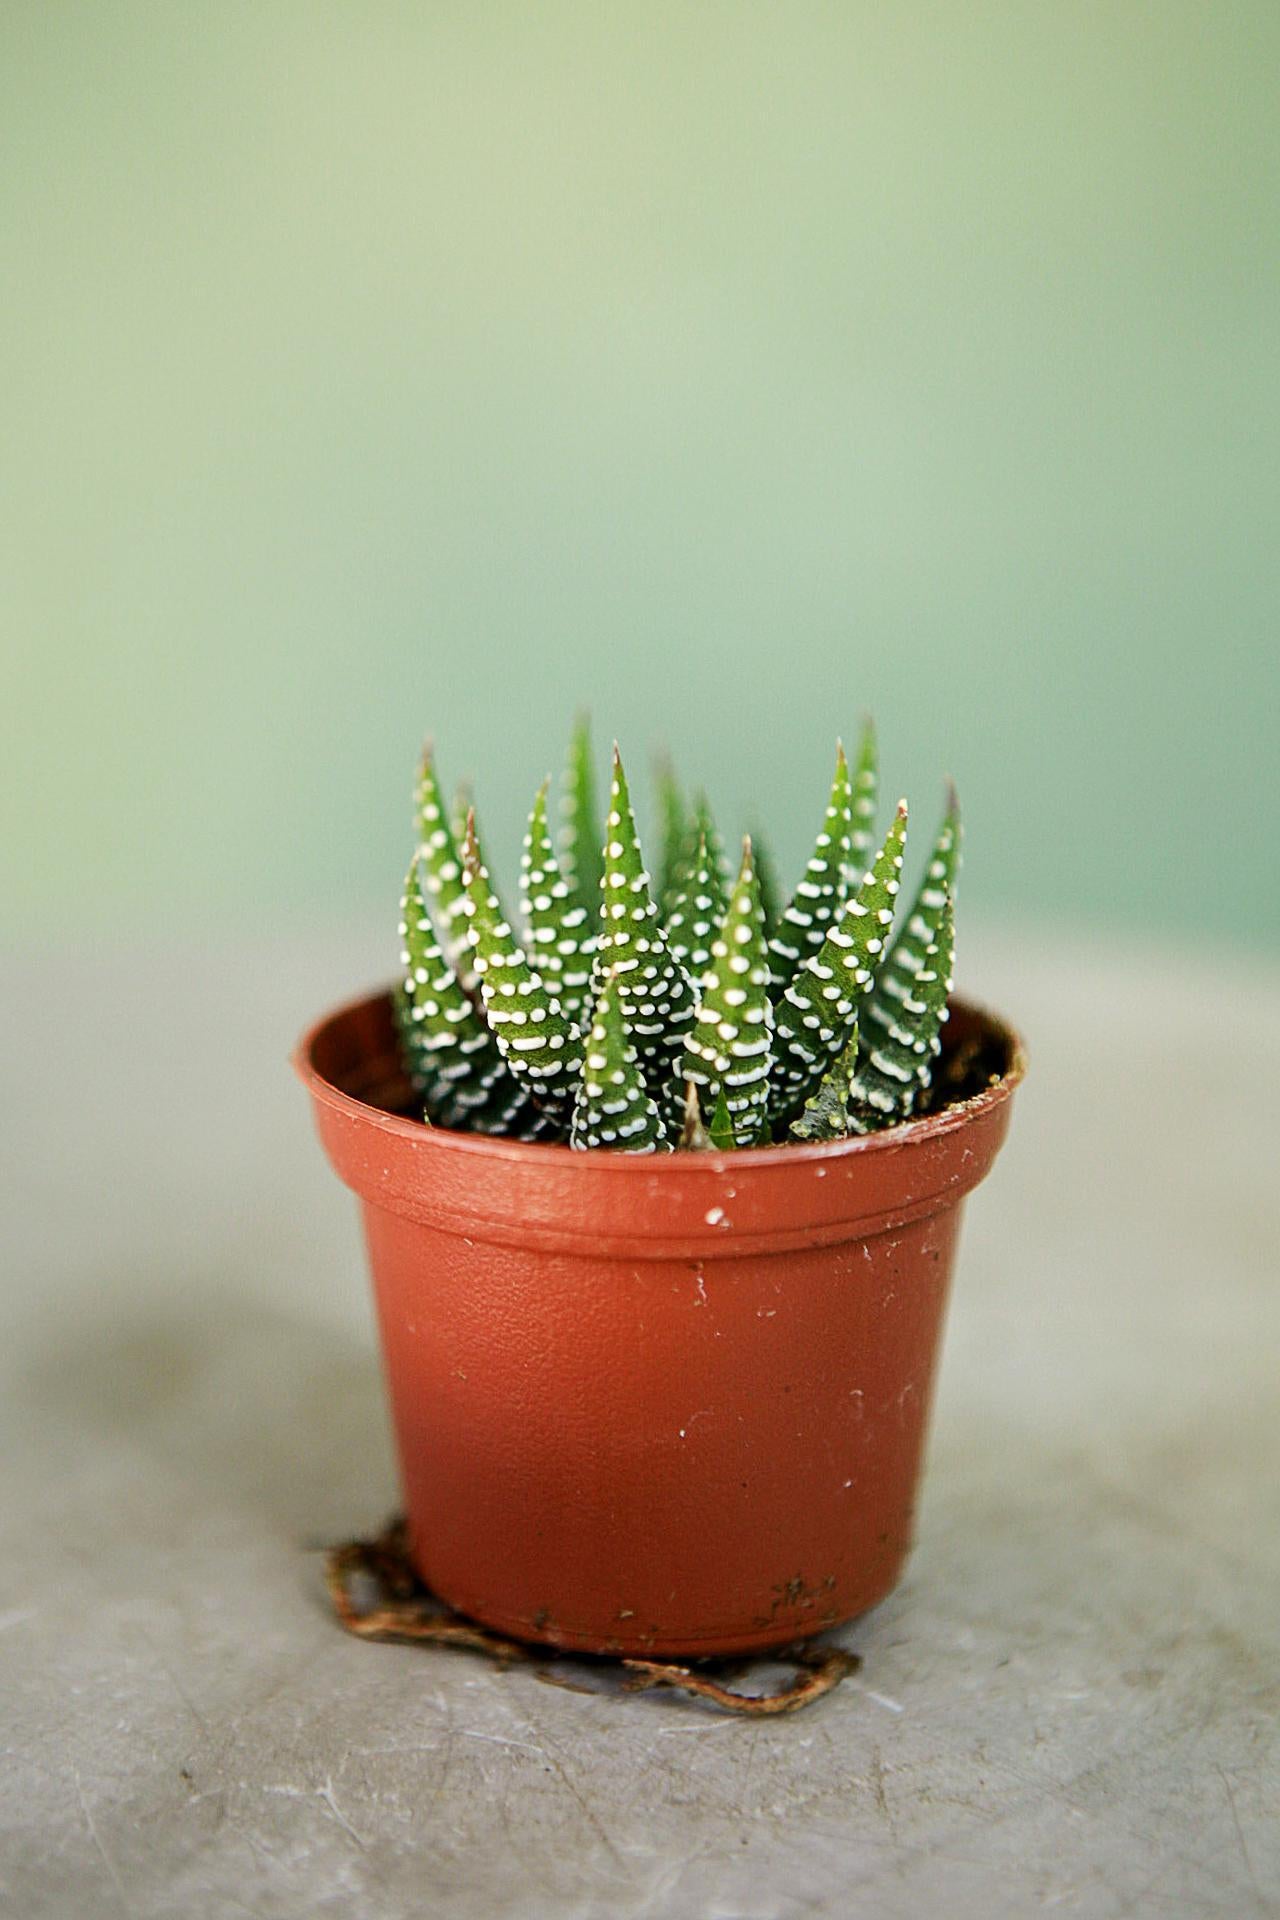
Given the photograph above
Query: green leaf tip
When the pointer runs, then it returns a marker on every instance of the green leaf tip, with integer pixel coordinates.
(730, 1044)
(654, 986)
(894, 1071)
(695, 1014)
(538, 1042)
(580, 817)
(441, 860)
(559, 933)
(720, 1128)
(612, 1105)
(919, 929)
(697, 908)
(864, 794)
(816, 1012)
(452, 1056)
(826, 1112)
(767, 878)
(819, 897)
(673, 815)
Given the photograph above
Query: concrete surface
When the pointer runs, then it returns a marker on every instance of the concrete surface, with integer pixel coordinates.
(1069, 1705)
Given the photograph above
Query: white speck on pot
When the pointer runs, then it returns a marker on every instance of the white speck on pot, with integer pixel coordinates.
(715, 1217)
(819, 1173)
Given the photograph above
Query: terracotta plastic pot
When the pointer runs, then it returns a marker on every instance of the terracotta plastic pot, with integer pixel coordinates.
(662, 1404)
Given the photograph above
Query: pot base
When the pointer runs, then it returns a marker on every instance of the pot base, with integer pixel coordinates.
(656, 1645)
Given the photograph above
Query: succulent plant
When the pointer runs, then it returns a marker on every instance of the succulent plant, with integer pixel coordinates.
(695, 1013)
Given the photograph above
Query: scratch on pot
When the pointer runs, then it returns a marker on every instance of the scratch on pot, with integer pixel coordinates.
(701, 1414)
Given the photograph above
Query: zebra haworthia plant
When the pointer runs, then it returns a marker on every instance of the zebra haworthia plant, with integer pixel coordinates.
(695, 1011)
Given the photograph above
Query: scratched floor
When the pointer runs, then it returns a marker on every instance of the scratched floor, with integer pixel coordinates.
(1071, 1704)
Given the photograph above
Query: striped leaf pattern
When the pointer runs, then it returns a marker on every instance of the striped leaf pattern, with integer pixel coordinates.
(452, 1056)
(581, 860)
(816, 1013)
(696, 910)
(559, 933)
(826, 1112)
(441, 860)
(655, 989)
(612, 1105)
(893, 1074)
(538, 1043)
(919, 930)
(864, 795)
(819, 898)
(730, 1044)
(693, 1016)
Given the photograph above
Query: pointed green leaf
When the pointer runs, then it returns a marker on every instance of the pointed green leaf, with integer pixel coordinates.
(559, 937)
(893, 1074)
(463, 801)
(767, 877)
(826, 1112)
(655, 988)
(919, 929)
(538, 1042)
(702, 822)
(450, 1052)
(819, 898)
(696, 910)
(441, 860)
(674, 817)
(612, 1105)
(815, 1016)
(720, 1126)
(864, 794)
(730, 1046)
(581, 861)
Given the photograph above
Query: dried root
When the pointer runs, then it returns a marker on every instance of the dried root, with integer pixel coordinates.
(401, 1609)
(819, 1670)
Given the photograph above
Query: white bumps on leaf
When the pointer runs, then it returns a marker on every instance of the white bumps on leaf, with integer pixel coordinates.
(817, 1011)
(654, 988)
(612, 1106)
(515, 994)
(729, 1046)
(819, 897)
(829, 1015)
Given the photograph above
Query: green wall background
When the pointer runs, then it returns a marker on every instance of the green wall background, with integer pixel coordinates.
(729, 368)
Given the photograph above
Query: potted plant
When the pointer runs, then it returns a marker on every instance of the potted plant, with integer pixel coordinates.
(661, 1200)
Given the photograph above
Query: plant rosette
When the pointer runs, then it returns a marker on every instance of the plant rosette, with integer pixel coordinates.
(668, 1395)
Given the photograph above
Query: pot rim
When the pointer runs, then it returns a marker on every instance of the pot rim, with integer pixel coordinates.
(490, 1147)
